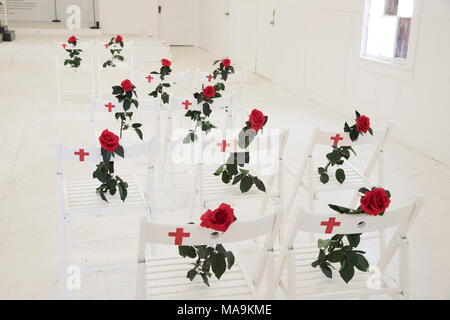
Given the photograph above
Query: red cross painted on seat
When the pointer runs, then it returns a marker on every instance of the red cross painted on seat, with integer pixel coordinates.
(81, 154)
(186, 104)
(64, 45)
(106, 45)
(109, 106)
(223, 145)
(179, 236)
(209, 77)
(149, 78)
(336, 139)
(331, 223)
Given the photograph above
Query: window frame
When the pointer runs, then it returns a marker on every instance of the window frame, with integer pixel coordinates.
(398, 68)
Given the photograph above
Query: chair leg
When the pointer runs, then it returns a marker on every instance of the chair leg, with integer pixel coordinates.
(404, 267)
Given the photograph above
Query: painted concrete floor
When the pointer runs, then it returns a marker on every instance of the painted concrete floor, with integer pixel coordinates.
(31, 122)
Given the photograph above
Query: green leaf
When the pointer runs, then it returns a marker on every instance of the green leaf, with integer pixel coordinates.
(244, 171)
(218, 264)
(230, 259)
(139, 133)
(237, 179)
(259, 184)
(219, 170)
(340, 175)
(326, 270)
(323, 243)
(226, 178)
(362, 264)
(321, 170)
(246, 184)
(354, 239)
(206, 109)
(324, 178)
(335, 256)
(347, 270)
(191, 274)
(119, 151)
(205, 279)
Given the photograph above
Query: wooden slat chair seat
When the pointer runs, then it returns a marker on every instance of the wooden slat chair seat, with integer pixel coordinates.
(209, 187)
(299, 280)
(164, 277)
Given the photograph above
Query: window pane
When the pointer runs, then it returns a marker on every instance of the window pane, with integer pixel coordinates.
(381, 36)
(391, 7)
(376, 7)
(404, 26)
(405, 8)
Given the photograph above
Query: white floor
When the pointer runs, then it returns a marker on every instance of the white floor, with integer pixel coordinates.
(31, 122)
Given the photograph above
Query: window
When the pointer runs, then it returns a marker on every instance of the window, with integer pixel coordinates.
(387, 29)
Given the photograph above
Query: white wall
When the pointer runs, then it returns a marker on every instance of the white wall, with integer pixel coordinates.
(131, 16)
(44, 10)
(234, 35)
(317, 44)
(319, 41)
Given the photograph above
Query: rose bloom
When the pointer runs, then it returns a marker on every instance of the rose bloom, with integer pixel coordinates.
(226, 62)
(375, 202)
(209, 92)
(257, 120)
(126, 85)
(119, 39)
(109, 141)
(72, 39)
(219, 219)
(166, 63)
(363, 124)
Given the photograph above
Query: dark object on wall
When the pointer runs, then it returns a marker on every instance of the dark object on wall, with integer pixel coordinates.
(56, 15)
(6, 34)
(96, 23)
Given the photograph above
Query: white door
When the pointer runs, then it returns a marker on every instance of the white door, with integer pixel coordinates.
(265, 56)
(176, 21)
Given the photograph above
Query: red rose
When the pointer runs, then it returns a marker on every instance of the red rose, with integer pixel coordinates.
(226, 62)
(375, 202)
(166, 63)
(363, 124)
(72, 39)
(109, 141)
(127, 85)
(119, 39)
(209, 92)
(219, 219)
(257, 120)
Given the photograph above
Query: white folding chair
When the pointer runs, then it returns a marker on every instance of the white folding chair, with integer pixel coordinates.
(87, 64)
(78, 198)
(147, 82)
(127, 65)
(149, 106)
(306, 175)
(221, 106)
(266, 161)
(299, 280)
(239, 77)
(164, 277)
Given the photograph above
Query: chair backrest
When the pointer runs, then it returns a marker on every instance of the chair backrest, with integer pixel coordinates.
(146, 82)
(93, 155)
(108, 106)
(103, 54)
(192, 234)
(207, 78)
(333, 223)
(86, 55)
